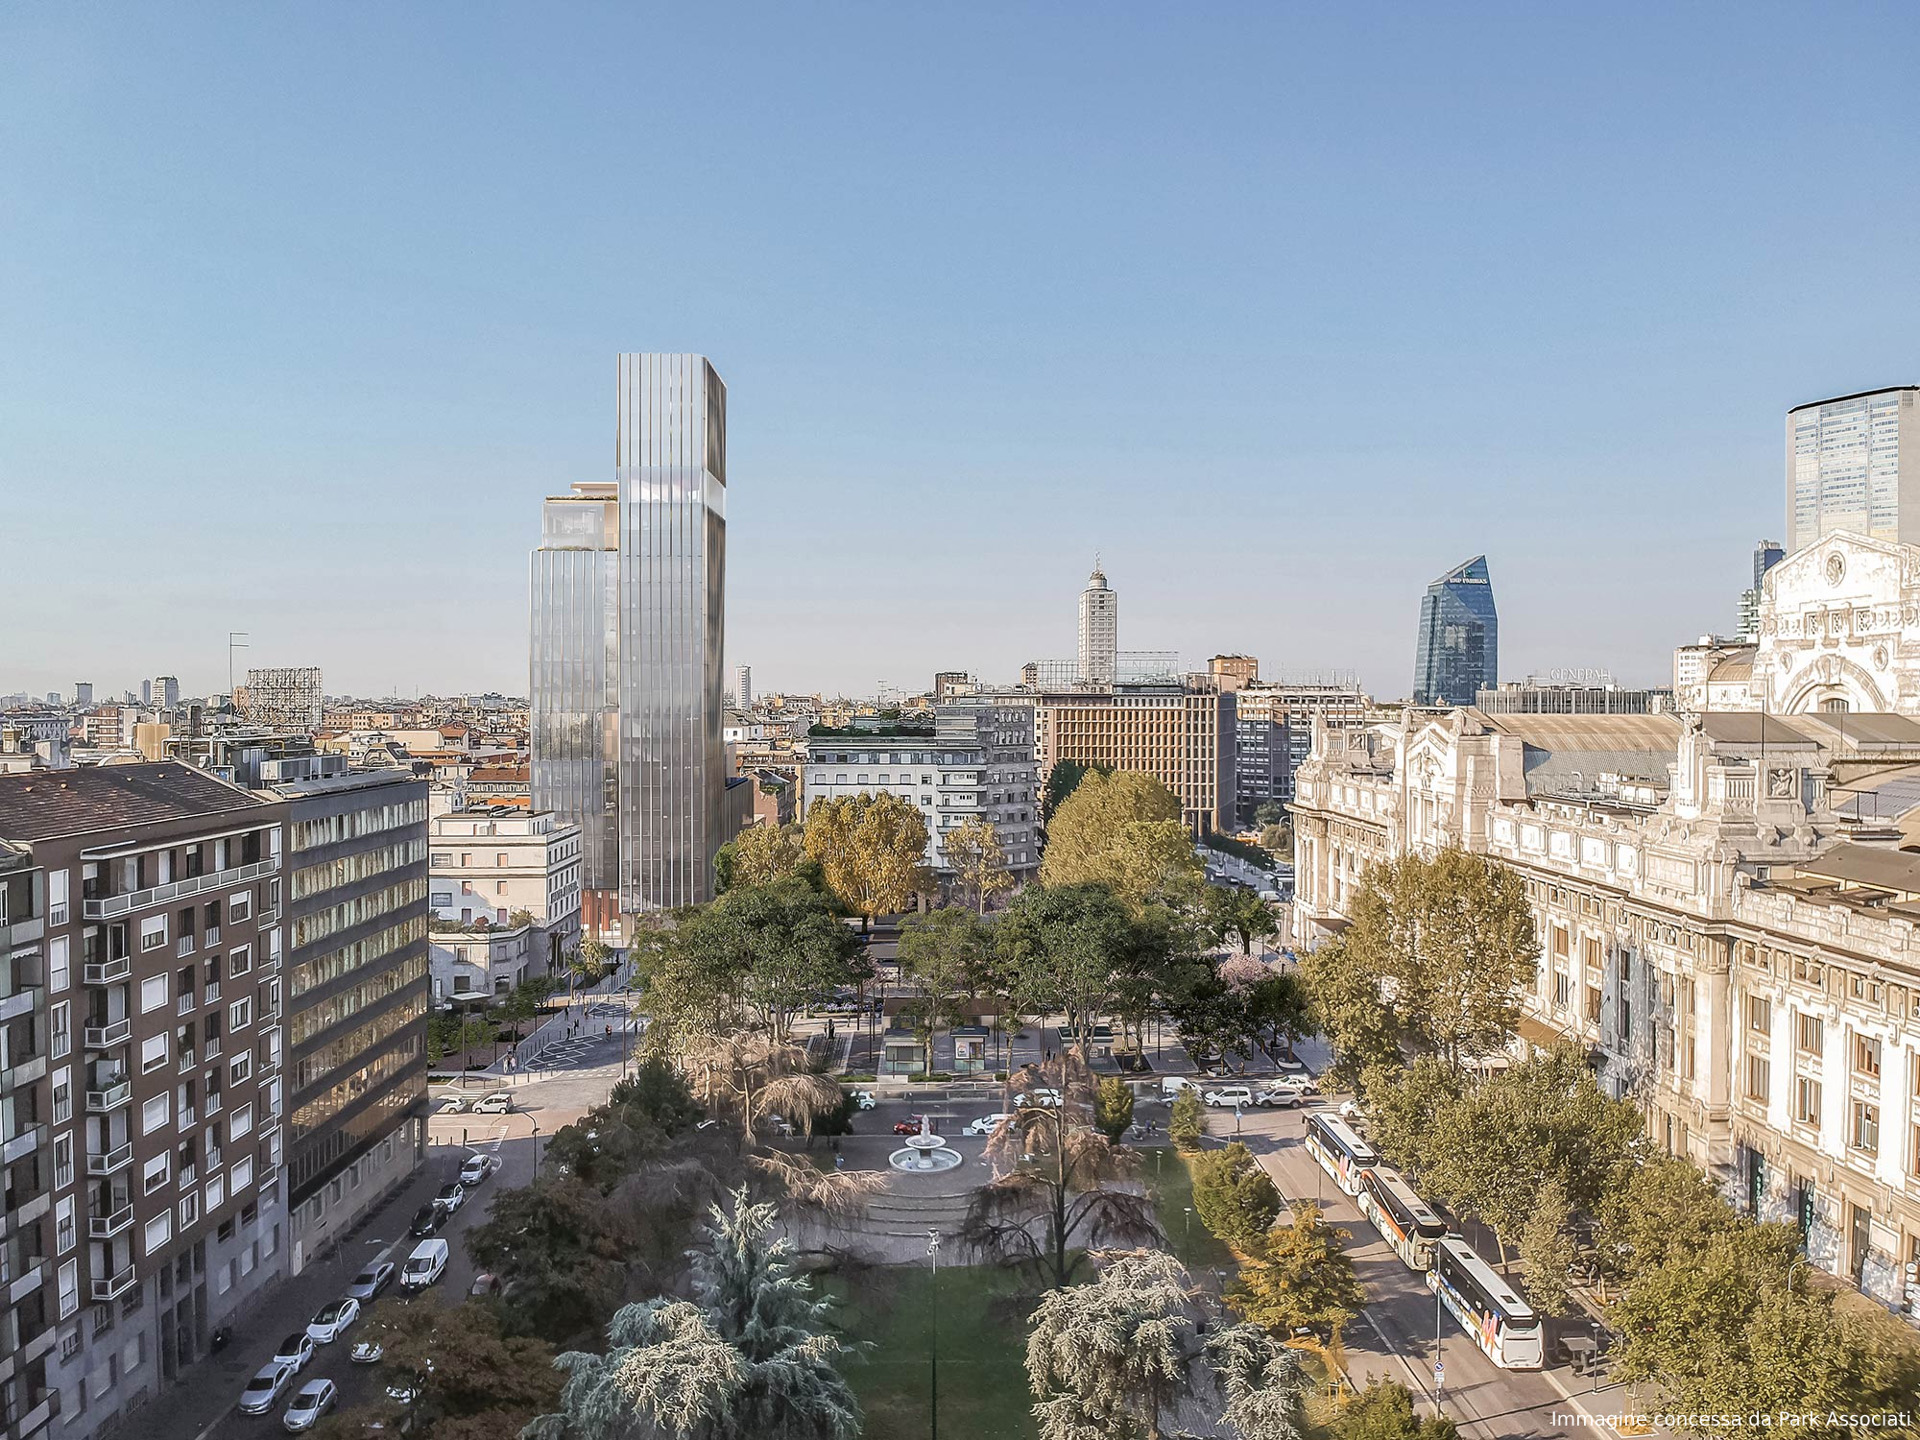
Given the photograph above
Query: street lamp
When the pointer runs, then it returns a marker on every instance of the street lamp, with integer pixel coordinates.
(933, 1348)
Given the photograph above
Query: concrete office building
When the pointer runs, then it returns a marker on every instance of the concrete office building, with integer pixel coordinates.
(165, 692)
(83, 692)
(1181, 734)
(154, 1130)
(742, 693)
(1766, 555)
(1853, 464)
(1099, 630)
(1262, 773)
(355, 992)
(628, 624)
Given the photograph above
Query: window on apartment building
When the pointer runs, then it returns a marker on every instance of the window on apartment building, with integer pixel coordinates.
(441, 857)
(239, 962)
(1810, 1034)
(466, 857)
(1866, 1056)
(1593, 1004)
(1806, 1100)
(159, 1231)
(62, 1096)
(1626, 1019)
(1759, 1013)
(1759, 1078)
(499, 887)
(155, 1113)
(153, 1053)
(239, 1013)
(500, 859)
(1688, 1072)
(153, 993)
(61, 1024)
(1866, 1128)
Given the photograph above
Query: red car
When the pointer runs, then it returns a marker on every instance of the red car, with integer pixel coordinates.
(908, 1126)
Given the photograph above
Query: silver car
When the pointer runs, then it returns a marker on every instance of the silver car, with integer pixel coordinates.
(314, 1399)
(265, 1387)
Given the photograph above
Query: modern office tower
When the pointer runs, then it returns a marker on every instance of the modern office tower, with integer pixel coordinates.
(1182, 734)
(1853, 463)
(1099, 630)
(286, 698)
(146, 692)
(83, 692)
(1260, 765)
(154, 1122)
(355, 986)
(574, 679)
(1458, 649)
(1234, 672)
(655, 658)
(743, 686)
(1766, 555)
(166, 691)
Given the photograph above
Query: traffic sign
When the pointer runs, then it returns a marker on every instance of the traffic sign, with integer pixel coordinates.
(1439, 1371)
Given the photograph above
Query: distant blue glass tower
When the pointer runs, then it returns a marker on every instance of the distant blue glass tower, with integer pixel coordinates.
(1458, 652)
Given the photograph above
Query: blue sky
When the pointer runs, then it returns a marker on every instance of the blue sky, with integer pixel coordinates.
(1285, 309)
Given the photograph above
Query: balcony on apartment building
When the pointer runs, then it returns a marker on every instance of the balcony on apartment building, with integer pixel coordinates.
(110, 1162)
(113, 1286)
(105, 956)
(100, 903)
(108, 1088)
(112, 1208)
(105, 1034)
(21, 979)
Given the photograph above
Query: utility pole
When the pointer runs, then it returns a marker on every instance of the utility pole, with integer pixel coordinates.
(933, 1350)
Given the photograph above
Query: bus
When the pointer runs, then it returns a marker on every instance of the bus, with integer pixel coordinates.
(1501, 1323)
(1404, 1220)
(1341, 1153)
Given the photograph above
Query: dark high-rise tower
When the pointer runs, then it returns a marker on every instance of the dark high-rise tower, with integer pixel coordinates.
(1458, 650)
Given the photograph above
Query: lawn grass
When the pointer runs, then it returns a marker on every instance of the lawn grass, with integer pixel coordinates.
(982, 1318)
(1170, 1184)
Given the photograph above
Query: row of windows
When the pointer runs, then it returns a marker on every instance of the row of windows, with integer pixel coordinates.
(330, 874)
(375, 820)
(329, 1057)
(310, 974)
(311, 1163)
(376, 1072)
(368, 992)
(347, 914)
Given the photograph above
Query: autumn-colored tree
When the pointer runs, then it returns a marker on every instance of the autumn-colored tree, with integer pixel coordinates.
(1384, 1411)
(871, 850)
(1124, 831)
(978, 861)
(1112, 1107)
(762, 854)
(1299, 1275)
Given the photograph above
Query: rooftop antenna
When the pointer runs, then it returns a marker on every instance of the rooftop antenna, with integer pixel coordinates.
(236, 640)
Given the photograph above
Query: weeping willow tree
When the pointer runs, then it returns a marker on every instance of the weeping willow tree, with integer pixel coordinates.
(749, 1355)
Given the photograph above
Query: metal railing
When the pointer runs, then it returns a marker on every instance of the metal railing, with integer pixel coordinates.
(105, 1227)
(101, 1037)
(110, 1162)
(113, 1287)
(104, 1102)
(111, 905)
(106, 972)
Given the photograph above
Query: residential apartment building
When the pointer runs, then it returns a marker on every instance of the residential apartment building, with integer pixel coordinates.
(490, 862)
(1182, 734)
(975, 762)
(1728, 913)
(480, 963)
(144, 1162)
(29, 1305)
(355, 992)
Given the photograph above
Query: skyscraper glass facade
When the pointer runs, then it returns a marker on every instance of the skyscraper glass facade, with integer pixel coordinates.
(1853, 464)
(574, 673)
(1457, 652)
(671, 466)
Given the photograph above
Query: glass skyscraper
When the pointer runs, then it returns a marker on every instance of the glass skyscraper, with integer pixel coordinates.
(1853, 463)
(1458, 650)
(628, 625)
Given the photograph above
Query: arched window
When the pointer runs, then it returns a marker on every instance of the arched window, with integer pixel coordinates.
(1835, 705)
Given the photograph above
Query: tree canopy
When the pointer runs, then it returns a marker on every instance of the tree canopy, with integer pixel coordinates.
(978, 861)
(1122, 830)
(871, 850)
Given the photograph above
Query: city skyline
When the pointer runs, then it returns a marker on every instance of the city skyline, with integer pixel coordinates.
(1362, 395)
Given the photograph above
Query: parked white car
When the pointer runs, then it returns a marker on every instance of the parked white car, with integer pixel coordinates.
(1352, 1110)
(1228, 1095)
(987, 1124)
(332, 1322)
(498, 1103)
(864, 1100)
(316, 1397)
(476, 1169)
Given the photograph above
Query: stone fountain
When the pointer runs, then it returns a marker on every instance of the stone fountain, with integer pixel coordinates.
(925, 1153)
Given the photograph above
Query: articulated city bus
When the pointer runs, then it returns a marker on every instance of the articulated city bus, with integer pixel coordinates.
(1404, 1220)
(1341, 1153)
(1501, 1323)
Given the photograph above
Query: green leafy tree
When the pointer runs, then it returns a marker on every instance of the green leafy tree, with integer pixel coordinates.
(1123, 831)
(1345, 1001)
(1113, 1107)
(871, 850)
(1384, 1411)
(1277, 840)
(1270, 812)
(472, 1377)
(1108, 1357)
(1238, 915)
(1235, 1196)
(1263, 1382)
(947, 955)
(1062, 780)
(1299, 1275)
(1547, 1251)
(1186, 1121)
(978, 861)
(1278, 1011)
(1665, 1209)
(1411, 1112)
(1449, 946)
(1211, 1016)
(763, 854)
(752, 1353)
(1058, 947)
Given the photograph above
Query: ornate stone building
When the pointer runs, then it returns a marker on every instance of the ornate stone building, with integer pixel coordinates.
(1728, 915)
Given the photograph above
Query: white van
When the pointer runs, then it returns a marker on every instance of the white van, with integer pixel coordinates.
(426, 1265)
(1172, 1085)
(498, 1103)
